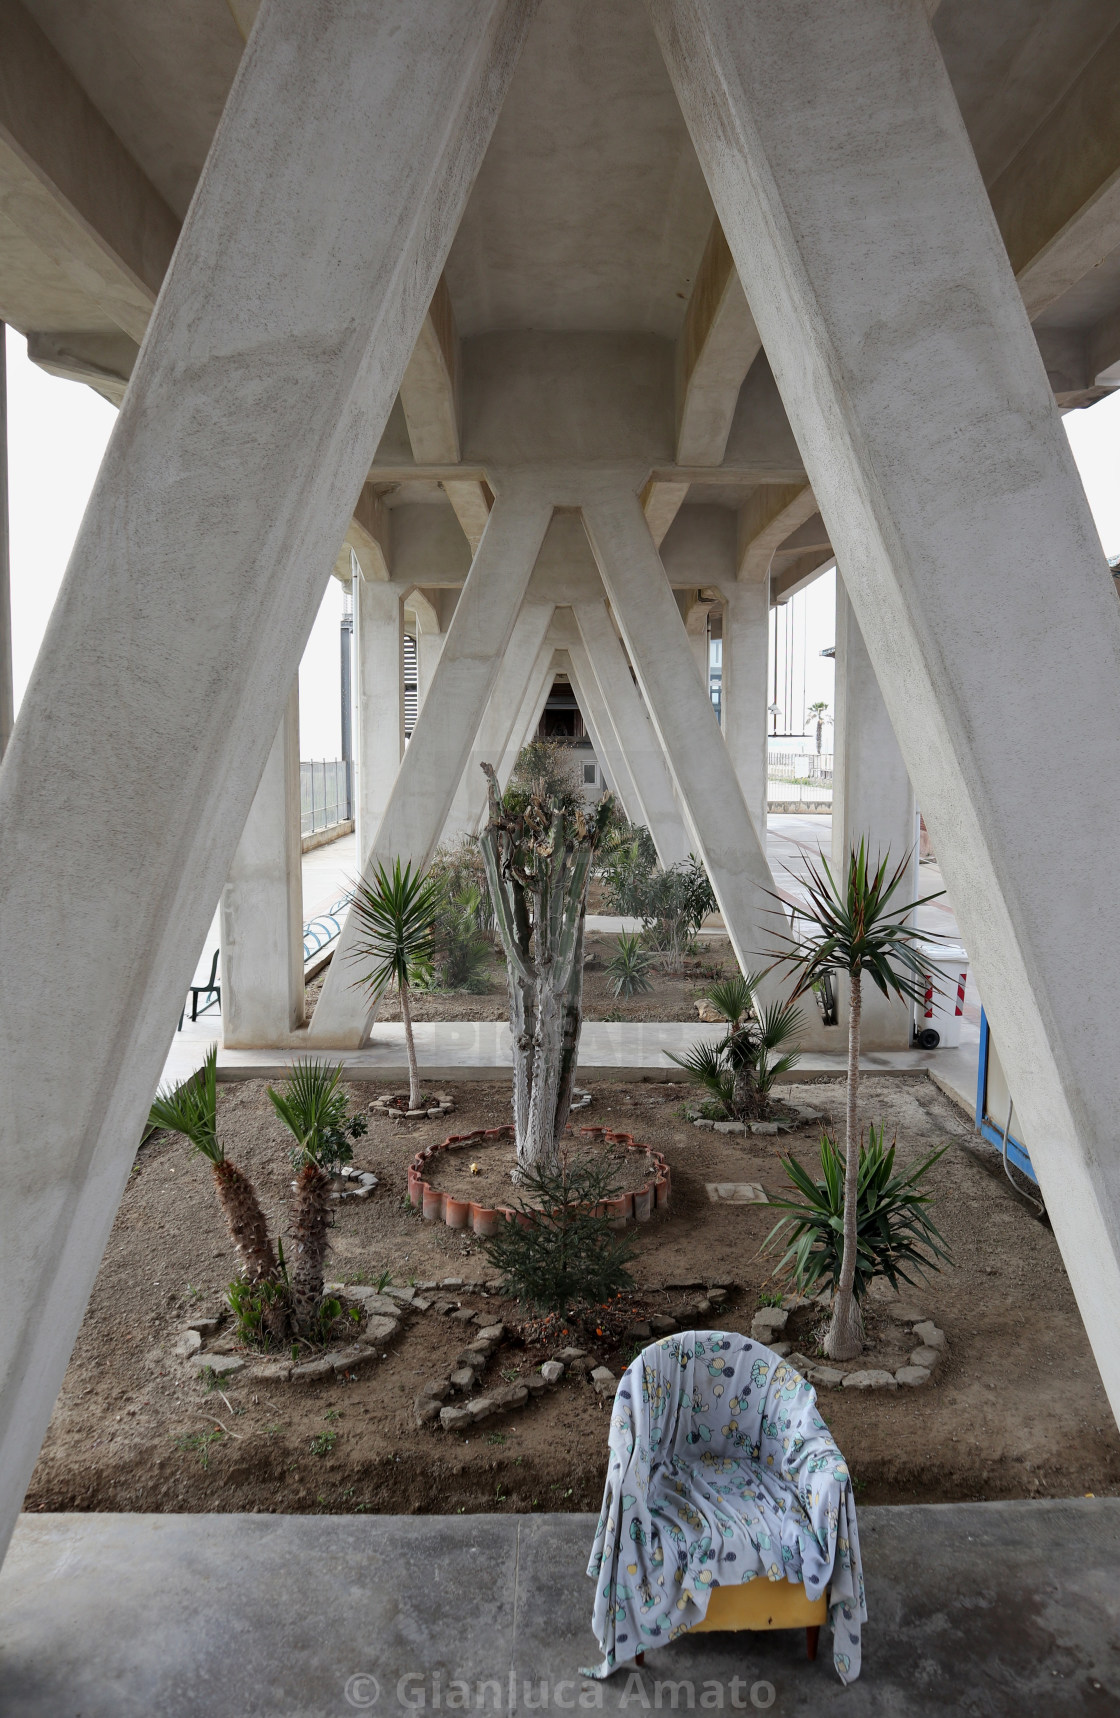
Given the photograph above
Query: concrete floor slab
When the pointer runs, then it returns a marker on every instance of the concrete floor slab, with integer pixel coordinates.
(986, 1609)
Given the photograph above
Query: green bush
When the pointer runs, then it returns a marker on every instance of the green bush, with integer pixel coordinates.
(672, 905)
(460, 870)
(461, 951)
(894, 1231)
(568, 1254)
(628, 969)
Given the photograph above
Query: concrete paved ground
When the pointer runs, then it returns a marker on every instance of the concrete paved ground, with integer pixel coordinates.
(983, 1609)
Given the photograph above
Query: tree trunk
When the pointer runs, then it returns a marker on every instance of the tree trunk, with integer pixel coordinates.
(310, 1221)
(247, 1227)
(537, 1147)
(845, 1333)
(410, 1052)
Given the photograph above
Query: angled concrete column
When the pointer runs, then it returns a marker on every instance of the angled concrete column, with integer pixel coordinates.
(847, 188)
(603, 737)
(682, 714)
(657, 803)
(264, 384)
(446, 727)
(6, 685)
(429, 649)
(262, 905)
(379, 695)
(528, 716)
(872, 800)
(746, 636)
(525, 645)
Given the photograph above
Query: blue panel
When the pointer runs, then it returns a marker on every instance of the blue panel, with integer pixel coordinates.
(992, 1129)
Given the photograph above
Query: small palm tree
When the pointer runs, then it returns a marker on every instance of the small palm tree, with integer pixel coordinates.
(740, 1071)
(396, 915)
(819, 713)
(854, 929)
(192, 1110)
(628, 969)
(314, 1108)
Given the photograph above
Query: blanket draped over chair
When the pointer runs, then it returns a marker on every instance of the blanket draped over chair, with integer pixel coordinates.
(721, 1470)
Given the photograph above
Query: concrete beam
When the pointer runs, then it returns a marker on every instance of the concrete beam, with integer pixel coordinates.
(368, 534)
(1058, 201)
(898, 336)
(718, 343)
(438, 752)
(430, 398)
(263, 387)
(661, 502)
(69, 184)
(653, 782)
(766, 519)
(262, 905)
(102, 361)
(681, 712)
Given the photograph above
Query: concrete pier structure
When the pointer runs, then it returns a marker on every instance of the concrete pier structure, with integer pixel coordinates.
(633, 310)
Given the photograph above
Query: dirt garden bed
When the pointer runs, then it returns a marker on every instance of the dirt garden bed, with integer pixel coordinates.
(673, 997)
(1015, 1407)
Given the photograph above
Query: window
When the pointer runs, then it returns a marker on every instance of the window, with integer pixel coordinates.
(589, 774)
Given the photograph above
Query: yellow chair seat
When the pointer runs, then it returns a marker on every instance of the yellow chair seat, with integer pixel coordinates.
(763, 1604)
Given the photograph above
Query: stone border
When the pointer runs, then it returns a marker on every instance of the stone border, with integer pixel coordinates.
(437, 1206)
(769, 1321)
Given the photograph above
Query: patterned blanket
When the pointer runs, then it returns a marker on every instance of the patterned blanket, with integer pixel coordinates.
(721, 1470)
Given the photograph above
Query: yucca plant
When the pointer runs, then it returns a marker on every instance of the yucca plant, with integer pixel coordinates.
(628, 968)
(895, 1234)
(314, 1108)
(396, 915)
(740, 1071)
(856, 926)
(192, 1110)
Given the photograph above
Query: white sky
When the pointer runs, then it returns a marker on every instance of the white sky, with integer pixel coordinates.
(57, 433)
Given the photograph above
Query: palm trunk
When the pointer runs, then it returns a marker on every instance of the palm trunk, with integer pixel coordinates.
(410, 1052)
(310, 1221)
(247, 1226)
(845, 1334)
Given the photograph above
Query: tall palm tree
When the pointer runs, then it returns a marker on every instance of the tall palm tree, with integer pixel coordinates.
(854, 929)
(819, 713)
(192, 1110)
(396, 914)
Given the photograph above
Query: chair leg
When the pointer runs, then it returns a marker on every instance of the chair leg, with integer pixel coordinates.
(640, 1658)
(812, 1636)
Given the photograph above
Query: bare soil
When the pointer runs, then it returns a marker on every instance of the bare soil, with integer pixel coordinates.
(483, 1171)
(1016, 1410)
(673, 996)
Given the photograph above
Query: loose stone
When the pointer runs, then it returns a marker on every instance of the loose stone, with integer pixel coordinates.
(930, 1336)
(568, 1355)
(189, 1343)
(604, 1380)
(871, 1380)
(427, 1410)
(912, 1376)
(767, 1322)
(451, 1419)
(729, 1126)
(552, 1371)
(221, 1365)
(481, 1407)
(930, 1358)
(824, 1377)
(639, 1333)
(206, 1325)
(437, 1388)
(510, 1395)
(464, 1378)
(379, 1331)
(661, 1324)
(764, 1127)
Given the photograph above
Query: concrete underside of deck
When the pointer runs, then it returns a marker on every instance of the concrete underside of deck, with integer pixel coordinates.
(984, 1609)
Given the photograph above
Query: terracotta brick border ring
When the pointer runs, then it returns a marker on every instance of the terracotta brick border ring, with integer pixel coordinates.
(437, 1206)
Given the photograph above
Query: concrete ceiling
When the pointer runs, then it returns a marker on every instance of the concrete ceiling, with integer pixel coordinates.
(591, 211)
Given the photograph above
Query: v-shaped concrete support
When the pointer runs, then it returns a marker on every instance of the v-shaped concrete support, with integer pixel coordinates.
(851, 199)
(445, 729)
(303, 273)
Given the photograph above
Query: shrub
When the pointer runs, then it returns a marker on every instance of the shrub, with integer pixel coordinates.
(568, 1253)
(894, 1231)
(460, 869)
(461, 949)
(628, 969)
(672, 905)
(741, 1070)
(546, 770)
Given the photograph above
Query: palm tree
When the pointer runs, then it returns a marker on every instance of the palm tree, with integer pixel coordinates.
(192, 1110)
(819, 713)
(740, 1071)
(854, 929)
(396, 915)
(313, 1107)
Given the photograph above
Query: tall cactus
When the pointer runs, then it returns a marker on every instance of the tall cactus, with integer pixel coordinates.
(538, 865)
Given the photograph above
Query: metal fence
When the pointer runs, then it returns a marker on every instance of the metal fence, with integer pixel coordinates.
(324, 794)
(807, 767)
